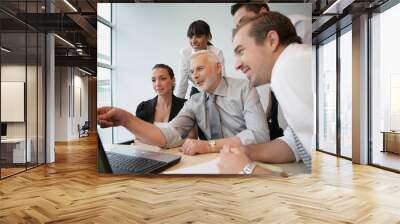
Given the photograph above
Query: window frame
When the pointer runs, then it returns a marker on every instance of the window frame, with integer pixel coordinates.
(104, 65)
(334, 37)
(379, 10)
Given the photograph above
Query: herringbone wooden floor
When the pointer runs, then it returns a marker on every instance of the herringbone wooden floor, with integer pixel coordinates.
(70, 191)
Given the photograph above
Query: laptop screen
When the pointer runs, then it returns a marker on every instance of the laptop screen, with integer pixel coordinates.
(103, 165)
(119, 159)
(3, 129)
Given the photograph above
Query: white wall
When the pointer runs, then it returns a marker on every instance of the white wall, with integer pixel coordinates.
(15, 73)
(61, 103)
(147, 34)
(68, 82)
(33, 126)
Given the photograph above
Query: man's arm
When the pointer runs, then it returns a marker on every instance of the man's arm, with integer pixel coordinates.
(194, 146)
(232, 141)
(276, 151)
(256, 128)
(145, 132)
(233, 160)
(180, 127)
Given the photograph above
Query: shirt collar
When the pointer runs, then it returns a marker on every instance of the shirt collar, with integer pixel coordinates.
(222, 88)
(285, 54)
(281, 62)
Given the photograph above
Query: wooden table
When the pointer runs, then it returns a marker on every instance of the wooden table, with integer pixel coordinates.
(190, 161)
(391, 141)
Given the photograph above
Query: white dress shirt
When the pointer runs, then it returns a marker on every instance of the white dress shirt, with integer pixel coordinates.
(240, 112)
(184, 68)
(291, 82)
(303, 27)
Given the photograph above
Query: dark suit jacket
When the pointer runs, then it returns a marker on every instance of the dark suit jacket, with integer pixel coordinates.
(146, 109)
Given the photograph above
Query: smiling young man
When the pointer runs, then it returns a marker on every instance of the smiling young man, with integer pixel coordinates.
(268, 50)
(227, 110)
(244, 11)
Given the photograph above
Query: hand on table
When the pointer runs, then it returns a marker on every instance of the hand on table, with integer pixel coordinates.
(194, 146)
(232, 160)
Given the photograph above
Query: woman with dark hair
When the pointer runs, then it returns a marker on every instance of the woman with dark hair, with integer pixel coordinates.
(199, 35)
(165, 106)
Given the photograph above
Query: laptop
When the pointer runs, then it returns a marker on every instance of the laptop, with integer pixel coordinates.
(3, 131)
(120, 160)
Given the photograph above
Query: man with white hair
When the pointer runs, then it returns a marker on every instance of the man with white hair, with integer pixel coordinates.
(227, 110)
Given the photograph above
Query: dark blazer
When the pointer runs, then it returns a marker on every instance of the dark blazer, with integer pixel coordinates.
(146, 109)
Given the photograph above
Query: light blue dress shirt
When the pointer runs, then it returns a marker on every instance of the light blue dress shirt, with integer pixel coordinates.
(240, 110)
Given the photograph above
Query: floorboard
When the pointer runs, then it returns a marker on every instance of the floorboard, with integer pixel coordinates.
(71, 191)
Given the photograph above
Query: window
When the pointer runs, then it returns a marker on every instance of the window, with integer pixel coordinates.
(346, 93)
(104, 11)
(385, 88)
(394, 101)
(327, 96)
(104, 62)
(22, 65)
(103, 43)
(103, 87)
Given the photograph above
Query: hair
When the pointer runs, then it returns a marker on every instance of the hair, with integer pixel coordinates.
(199, 27)
(266, 22)
(252, 7)
(212, 57)
(166, 67)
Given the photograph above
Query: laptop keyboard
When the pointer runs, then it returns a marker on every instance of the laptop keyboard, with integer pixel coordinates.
(130, 164)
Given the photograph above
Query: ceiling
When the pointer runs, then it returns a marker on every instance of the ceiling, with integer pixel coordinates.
(76, 23)
(330, 16)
